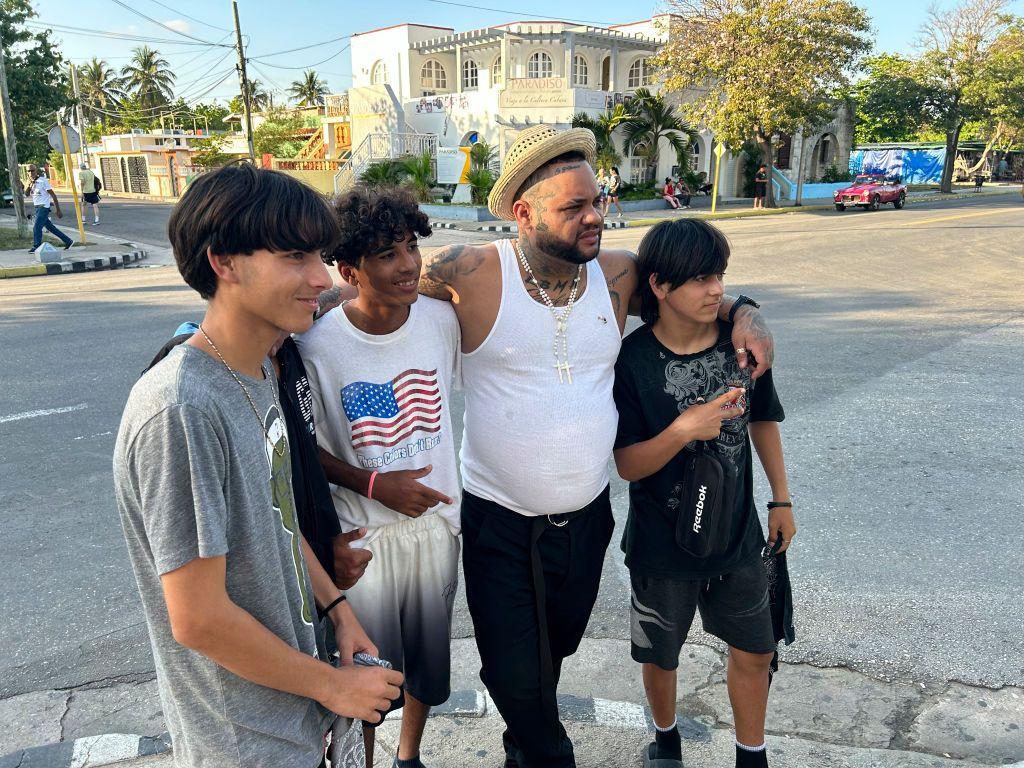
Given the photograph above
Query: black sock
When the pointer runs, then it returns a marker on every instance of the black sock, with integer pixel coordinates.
(745, 758)
(412, 762)
(669, 746)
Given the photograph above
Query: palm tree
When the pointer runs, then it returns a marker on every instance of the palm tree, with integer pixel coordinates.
(420, 172)
(99, 89)
(309, 91)
(383, 173)
(148, 77)
(259, 99)
(603, 127)
(482, 155)
(654, 120)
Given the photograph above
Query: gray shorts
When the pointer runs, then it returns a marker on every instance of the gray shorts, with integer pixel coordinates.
(733, 607)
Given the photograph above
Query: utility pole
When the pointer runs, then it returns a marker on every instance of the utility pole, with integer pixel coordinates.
(12, 148)
(244, 81)
(79, 121)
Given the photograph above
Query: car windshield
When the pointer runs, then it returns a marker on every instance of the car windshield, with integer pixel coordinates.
(866, 178)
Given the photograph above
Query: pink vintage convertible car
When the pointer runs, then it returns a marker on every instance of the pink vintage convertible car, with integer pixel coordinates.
(870, 191)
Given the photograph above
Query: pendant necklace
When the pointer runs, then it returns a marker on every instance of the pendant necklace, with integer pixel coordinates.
(561, 315)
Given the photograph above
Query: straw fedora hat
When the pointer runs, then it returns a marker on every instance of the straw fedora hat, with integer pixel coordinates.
(531, 149)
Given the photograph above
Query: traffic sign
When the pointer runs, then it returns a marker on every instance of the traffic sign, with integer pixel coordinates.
(719, 150)
(74, 140)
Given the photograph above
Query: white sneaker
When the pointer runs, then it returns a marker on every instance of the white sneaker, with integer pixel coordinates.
(96, 221)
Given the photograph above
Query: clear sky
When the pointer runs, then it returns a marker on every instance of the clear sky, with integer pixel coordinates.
(273, 25)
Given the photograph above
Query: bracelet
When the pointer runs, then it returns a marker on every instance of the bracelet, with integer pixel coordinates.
(340, 599)
(369, 487)
(740, 301)
(774, 504)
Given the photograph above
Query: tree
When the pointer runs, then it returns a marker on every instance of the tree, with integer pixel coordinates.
(279, 135)
(482, 155)
(891, 101)
(36, 79)
(956, 67)
(653, 121)
(603, 127)
(209, 152)
(148, 78)
(750, 69)
(99, 89)
(309, 91)
(419, 170)
(259, 99)
(383, 173)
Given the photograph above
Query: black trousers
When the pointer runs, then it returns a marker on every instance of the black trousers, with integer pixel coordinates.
(531, 584)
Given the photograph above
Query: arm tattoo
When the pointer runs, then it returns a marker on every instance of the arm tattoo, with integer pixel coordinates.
(328, 299)
(440, 274)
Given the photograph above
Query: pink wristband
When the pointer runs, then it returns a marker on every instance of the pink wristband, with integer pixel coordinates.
(369, 487)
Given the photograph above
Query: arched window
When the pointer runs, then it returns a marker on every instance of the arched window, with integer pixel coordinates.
(580, 73)
(639, 74)
(496, 71)
(539, 66)
(379, 73)
(470, 75)
(433, 77)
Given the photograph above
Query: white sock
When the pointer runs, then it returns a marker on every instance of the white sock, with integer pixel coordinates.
(667, 728)
(745, 748)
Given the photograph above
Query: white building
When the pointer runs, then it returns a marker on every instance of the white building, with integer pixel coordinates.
(418, 87)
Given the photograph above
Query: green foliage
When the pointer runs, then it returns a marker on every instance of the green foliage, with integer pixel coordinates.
(148, 78)
(214, 114)
(651, 122)
(56, 162)
(645, 191)
(37, 79)
(259, 99)
(833, 175)
(603, 127)
(309, 91)
(892, 101)
(481, 180)
(280, 135)
(384, 173)
(419, 171)
(100, 90)
(209, 152)
(482, 155)
(768, 66)
(750, 156)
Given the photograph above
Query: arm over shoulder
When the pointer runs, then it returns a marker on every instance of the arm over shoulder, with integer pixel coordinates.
(446, 270)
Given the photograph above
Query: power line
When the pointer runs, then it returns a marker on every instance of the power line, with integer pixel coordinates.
(520, 13)
(63, 29)
(193, 18)
(303, 48)
(160, 23)
(306, 66)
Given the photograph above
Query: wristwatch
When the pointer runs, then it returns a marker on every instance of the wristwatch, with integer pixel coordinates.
(740, 301)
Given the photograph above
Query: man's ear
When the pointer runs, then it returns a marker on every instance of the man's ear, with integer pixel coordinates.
(657, 287)
(348, 274)
(523, 213)
(224, 267)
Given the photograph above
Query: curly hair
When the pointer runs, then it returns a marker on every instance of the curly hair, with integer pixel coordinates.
(373, 219)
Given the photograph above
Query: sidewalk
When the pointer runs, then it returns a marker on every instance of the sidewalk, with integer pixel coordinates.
(817, 717)
(100, 252)
(700, 207)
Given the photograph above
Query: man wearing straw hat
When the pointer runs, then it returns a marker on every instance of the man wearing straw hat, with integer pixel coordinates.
(542, 317)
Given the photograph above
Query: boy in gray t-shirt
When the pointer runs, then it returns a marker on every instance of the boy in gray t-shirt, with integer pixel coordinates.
(229, 586)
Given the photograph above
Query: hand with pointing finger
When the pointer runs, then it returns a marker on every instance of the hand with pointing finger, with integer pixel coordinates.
(704, 421)
(401, 491)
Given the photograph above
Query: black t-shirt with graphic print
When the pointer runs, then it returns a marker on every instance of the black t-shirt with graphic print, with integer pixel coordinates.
(653, 385)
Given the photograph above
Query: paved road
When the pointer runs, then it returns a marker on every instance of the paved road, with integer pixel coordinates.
(897, 334)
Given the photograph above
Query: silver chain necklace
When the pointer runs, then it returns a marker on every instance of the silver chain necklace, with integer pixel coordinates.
(561, 315)
(248, 397)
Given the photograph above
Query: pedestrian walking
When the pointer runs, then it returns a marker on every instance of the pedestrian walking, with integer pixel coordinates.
(614, 184)
(43, 199)
(668, 194)
(202, 475)
(760, 186)
(693, 540)
(90, 185)
(381, 368)
(541, 318)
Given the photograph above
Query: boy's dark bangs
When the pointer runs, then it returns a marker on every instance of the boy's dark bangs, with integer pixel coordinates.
(308, 224)
(678, 251)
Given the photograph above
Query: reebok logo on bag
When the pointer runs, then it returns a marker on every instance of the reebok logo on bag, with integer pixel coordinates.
(699, 510)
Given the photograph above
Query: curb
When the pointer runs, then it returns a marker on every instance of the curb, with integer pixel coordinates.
(89, 751)
(111, 748)
(77, 265)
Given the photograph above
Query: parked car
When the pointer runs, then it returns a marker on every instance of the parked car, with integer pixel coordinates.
(7, 199)
(869, 191)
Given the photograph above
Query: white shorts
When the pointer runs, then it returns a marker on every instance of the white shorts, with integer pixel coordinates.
(405, 599)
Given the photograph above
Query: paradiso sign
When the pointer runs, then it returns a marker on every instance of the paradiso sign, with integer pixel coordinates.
(537, 92)
(452, 165)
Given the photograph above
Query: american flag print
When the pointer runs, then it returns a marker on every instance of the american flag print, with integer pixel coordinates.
(384, 415)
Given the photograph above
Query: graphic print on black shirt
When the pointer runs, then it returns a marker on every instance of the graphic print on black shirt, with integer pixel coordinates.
(653, 385)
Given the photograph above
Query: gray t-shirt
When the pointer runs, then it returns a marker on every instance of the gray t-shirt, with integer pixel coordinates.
(195, 476)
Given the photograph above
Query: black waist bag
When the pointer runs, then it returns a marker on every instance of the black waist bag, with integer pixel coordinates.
(705, 505)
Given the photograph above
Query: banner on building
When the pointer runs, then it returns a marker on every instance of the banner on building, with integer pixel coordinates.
(913, 166)
(453, 165)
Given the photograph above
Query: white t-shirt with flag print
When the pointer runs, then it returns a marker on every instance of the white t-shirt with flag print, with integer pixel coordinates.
(382, 403)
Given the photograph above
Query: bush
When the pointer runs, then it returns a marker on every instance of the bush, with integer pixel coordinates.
(386, 173)
(833, 175)
(645, 191)
(481, 179)
(209, 153)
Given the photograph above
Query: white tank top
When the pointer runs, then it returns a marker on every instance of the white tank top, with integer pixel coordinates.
(531, 444)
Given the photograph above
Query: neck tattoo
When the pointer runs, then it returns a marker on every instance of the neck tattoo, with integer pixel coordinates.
(560, 314)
